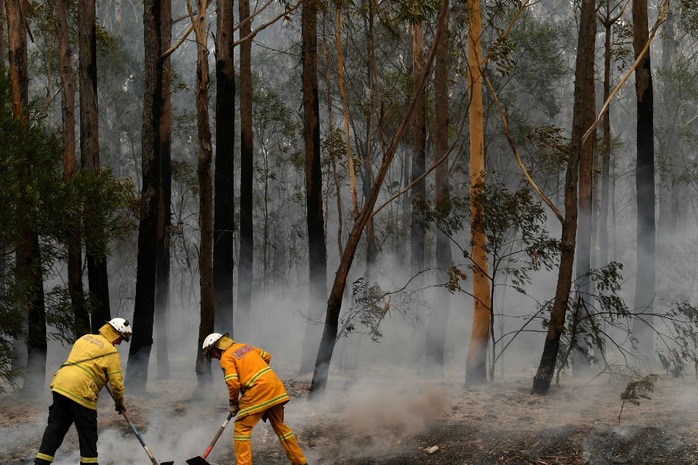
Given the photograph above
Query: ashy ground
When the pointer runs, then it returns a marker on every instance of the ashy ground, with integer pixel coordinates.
(386, 417)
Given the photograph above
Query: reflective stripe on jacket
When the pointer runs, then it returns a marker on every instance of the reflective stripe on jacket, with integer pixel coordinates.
(249, 378)
(92, 362)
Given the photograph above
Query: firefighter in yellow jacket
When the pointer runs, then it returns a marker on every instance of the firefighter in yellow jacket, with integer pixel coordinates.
(255, 392)
(92, 362)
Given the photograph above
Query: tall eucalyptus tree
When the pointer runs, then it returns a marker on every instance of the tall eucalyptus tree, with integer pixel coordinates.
(144, 305)
(224, 201)
(74, 234)
(644, 183)
(95, 252)
(28, 255)
(583, 118)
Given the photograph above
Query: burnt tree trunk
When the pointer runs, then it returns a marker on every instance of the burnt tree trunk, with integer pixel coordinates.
(162, 267)
(207, 309)
(246, 264)
(224, 201)
(144, 307)
(317, 250)
(644, 184)
(89, 156)
(583, 118)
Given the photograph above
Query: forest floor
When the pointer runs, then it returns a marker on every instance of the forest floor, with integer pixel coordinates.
(406, 420)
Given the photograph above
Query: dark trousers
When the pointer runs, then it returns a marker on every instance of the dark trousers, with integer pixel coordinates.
(61, 414)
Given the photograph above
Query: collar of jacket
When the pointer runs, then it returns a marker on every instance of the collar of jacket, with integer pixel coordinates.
(109, 333)
(225, 343)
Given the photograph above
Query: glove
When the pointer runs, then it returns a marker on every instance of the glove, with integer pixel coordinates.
(119, 405)
(233, 408)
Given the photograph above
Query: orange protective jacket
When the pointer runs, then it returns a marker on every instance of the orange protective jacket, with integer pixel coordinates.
(92, 362)
(251, 381)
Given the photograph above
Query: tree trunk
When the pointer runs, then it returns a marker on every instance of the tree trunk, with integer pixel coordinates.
(476, 363)
(580, 360)
(207, 310)
(644, 183)
(317, 260)
(162, 271)
(334, 302)
(418, 158)
(606, 153)
(81, 325)
(670, 188)
(374, 104)
(144, 306)
(246, 267)
(89, 155)
(28, 255)
(436, 325)
(224, 201)
(583, 118)
(3, 39)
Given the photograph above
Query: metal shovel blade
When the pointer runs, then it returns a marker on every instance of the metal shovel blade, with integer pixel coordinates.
(197, 461)
(167, 463)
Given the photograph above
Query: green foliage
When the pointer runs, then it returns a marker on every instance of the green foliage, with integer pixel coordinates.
(590, 317)
(35, 198)
(636, 390)
(515, 227)
(688, 18)
(681, 341)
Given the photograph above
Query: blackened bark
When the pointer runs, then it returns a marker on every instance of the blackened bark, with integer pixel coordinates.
(644, 183)
(144, 306)
(162, 267)
(224, 201)
(207, 309)
(246, 265)
(582, 119)
(89, 156)
(313, 175)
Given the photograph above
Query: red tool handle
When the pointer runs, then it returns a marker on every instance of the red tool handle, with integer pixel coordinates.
(218, 434)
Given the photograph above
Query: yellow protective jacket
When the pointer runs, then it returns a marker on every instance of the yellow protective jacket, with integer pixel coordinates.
(92, 362)
(250, 379)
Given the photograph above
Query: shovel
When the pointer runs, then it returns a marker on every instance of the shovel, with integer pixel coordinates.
(201, 459)
(135, 431)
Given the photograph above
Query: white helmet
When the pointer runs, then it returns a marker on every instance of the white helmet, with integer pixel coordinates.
(210, 343)
(122, 326)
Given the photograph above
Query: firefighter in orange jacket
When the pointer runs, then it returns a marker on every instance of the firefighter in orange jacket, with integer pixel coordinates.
(92, 362)
(255, 392)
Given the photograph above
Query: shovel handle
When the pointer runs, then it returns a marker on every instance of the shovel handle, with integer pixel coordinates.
(218, 435)
(135, 431)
